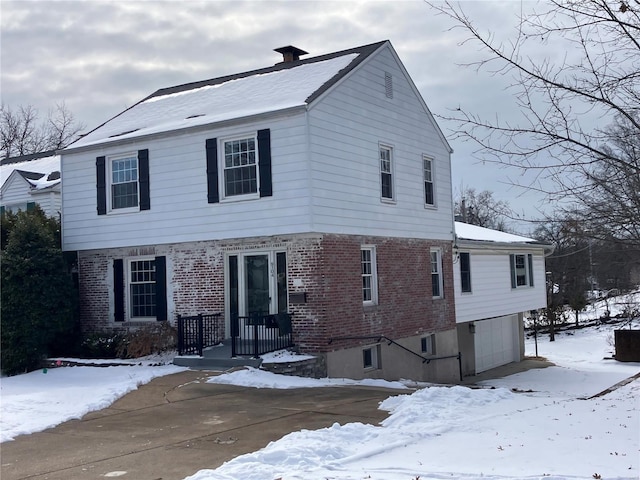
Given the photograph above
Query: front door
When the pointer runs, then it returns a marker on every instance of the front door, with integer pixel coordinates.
(256, 284)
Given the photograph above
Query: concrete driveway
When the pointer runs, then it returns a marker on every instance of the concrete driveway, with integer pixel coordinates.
(178, 424)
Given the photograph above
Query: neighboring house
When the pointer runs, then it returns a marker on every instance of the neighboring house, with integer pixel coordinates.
(498, 277)
(319, 187)
(29, 180)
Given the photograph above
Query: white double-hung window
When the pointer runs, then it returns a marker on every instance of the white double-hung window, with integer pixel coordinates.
(240, 167)
(436, 273)
(369, 275)
(521, 270)
(142, 288)
(124, 182)
(386, 173)
(429, 189)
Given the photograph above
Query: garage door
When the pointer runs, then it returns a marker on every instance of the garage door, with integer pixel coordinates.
(496, 342)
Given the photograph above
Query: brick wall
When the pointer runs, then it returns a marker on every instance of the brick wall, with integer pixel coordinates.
(325, 267)
(405, 304)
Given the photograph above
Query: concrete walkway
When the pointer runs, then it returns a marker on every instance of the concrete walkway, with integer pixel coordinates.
(176, 425)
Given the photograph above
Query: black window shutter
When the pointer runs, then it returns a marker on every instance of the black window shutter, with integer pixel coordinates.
(101, 185)
(512, 262)
(264, 159)
(213, 195)
(31, 206)
(530, 261)
(118, 289)
(161, 288)
(143, 172)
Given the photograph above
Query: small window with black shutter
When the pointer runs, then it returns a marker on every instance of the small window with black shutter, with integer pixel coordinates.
(122, 182)
(140, 291)
(239, 167)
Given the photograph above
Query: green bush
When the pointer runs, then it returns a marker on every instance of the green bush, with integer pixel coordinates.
(38, 296)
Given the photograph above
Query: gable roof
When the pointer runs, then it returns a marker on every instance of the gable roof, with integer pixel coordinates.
(39, 170)
(280, 87)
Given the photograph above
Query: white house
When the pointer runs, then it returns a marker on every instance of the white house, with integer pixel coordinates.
(29, 180)
(320, 187)
(498, 277)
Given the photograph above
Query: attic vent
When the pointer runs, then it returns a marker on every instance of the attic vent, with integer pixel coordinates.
(124, 133)
(388, 85)
(290, 53)
(195, 116)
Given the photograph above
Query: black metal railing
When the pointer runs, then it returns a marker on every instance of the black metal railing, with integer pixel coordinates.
(427, 360)
(258, 334)
(198, 332)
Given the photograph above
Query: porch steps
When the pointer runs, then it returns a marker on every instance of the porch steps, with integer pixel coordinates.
(216, 358)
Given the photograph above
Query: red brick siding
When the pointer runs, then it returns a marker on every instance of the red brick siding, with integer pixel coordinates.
(405, 304)
(325, 267)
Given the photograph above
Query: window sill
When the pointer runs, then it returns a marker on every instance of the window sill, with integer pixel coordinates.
(388, 201)
(121, 211)
(430, 207)
(240, 198)
(137, 322)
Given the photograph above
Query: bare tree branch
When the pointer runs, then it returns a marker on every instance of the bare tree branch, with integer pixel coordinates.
(21, 133)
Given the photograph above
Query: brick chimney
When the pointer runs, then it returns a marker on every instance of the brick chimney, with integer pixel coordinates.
(290, 53)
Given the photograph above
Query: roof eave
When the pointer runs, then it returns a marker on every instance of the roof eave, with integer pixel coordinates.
(180, 131)
(467, 242)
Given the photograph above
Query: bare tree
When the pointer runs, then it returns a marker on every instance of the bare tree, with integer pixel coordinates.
(562, 103)
(480, 208)
(22, 133)
(611, 206)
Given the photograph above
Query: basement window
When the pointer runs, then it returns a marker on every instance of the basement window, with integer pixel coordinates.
(371, 358)
(428, 344)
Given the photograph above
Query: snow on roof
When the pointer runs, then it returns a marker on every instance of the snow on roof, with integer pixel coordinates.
(236, 98)
(473, 232)
(44, 166)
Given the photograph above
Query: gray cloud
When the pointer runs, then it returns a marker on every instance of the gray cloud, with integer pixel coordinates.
(100, 57)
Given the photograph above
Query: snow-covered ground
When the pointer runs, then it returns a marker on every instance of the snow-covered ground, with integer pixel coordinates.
(548, 427)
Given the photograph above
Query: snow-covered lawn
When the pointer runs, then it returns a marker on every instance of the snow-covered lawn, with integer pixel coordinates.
(36, 401)
(547, 428)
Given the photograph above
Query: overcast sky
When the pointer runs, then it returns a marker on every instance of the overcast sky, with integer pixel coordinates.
(100, 57)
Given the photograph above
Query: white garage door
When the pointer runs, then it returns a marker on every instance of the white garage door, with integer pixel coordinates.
(496, 342)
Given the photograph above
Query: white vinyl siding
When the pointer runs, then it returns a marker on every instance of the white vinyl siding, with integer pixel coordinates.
(17, 193)
(346, 128)
(178, 187)
(492, 298)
